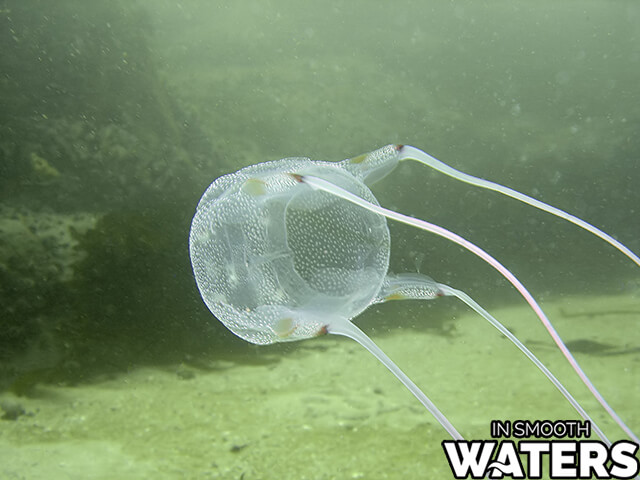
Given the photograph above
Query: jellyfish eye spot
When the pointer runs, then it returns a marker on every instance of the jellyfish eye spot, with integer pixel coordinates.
(284, 327)
(395, 296)
(254, 187)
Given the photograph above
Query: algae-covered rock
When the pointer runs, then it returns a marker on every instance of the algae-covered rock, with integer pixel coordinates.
(37, 254)
(100, 169)
(82, 103)
(132, 291)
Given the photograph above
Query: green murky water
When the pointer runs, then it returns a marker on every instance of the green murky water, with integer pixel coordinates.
(115, 118)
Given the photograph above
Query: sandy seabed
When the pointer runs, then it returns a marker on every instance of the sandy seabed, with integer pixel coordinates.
(326, 409)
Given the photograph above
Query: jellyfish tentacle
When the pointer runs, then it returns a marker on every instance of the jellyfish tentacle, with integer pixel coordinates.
(415, 286)
(407, 152)
(324, 185)
(348, 329)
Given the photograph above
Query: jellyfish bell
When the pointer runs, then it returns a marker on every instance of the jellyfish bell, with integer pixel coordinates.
(293, 249)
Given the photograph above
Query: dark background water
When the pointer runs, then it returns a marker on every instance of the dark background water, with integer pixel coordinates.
(540, 97)
(114, 117)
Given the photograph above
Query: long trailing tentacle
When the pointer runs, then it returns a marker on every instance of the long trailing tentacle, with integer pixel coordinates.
(348, 329)
(407, 152)
(416, 286)
(447, 290)
(321, 184)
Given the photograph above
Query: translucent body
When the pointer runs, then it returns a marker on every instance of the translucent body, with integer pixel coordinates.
(295, 248)
(274, 259)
